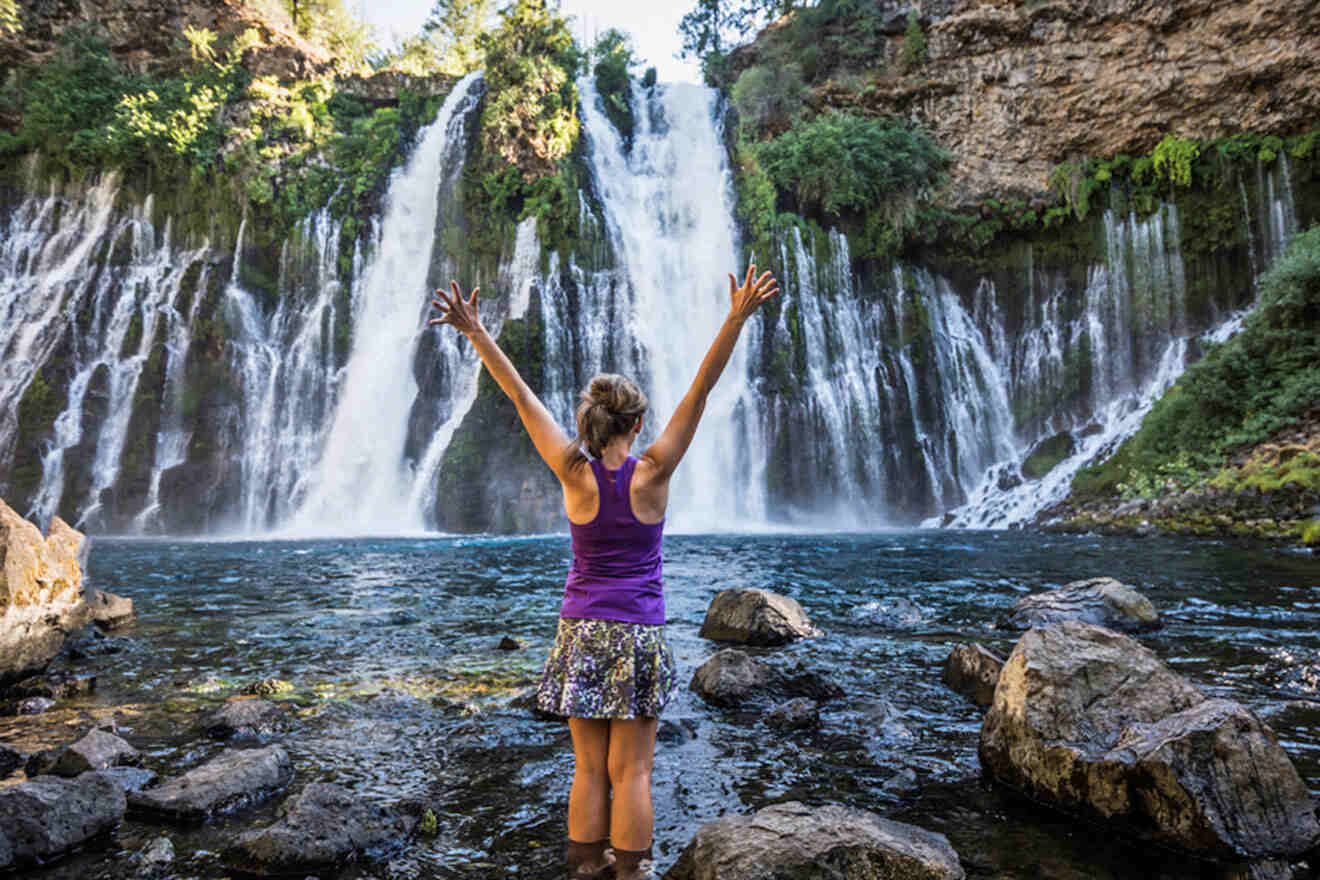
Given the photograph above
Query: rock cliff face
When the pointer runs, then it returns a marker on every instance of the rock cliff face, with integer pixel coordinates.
(1015, 87)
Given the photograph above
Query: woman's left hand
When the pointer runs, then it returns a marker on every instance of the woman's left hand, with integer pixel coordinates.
(459, 313)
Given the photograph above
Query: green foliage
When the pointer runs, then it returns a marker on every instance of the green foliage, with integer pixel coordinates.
(713, 27)
(1311, 533)
(1260, 381)
(915, 50)
(85, 109)
(530, 116)
(768, 97)
(614, 59)
(841, 162)
(1173, 158)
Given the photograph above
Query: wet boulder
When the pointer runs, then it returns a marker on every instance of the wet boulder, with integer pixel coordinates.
(1100, 601)
(243, 718)
(756, 617)
(895, 612)
(97, 750)
(41, 594)
(821, 843)
(973, 671)
(322, 827)
(801, 713)
(731, 677)
(131, 778)
(110, 611)
(46, 817)
(232, 780)
(1091, 721)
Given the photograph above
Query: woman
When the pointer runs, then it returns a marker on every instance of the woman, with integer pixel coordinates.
(610, 670)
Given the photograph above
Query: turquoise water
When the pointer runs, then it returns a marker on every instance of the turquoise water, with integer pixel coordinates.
(401, 691)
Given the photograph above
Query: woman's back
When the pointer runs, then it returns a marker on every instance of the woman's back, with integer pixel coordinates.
(617, 571)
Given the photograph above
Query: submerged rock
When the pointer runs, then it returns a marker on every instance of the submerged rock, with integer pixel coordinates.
(897, 612)
(268, 687)
(41, 593)
(756, 617)
(243, 719)
(231, 781)
(802, 713)
(110, 611)
(46, 817)
(131, 778)
(973, 671)
(55, 686)
(95, 751)
(1101, 601)
(733, 677)
(1091, 721)
(322, 827)
(822, 843)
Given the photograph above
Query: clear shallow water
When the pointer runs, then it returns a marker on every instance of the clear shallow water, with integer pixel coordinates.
(401, 691)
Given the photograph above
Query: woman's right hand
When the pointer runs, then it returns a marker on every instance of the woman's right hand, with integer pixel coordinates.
(745, 300)
(459, 313)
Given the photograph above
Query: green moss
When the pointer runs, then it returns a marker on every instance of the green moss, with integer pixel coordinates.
(1047, 455)
(1311, 533)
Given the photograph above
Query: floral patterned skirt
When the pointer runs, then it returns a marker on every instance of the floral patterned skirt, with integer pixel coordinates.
(607, 669)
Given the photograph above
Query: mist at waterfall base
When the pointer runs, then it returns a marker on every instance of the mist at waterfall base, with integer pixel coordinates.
(401, 692)
(834, 413)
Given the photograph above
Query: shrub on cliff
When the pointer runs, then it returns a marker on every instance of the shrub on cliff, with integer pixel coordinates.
(1265, 378)
(842, 162)
(614, 59)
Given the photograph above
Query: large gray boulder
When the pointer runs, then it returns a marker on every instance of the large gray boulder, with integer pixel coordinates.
(1092, 722)
(756, 617)
(833, 842)
(973, 671)
(43, 818)
(1102, 601)
(232, 780)
(41, 593)
(323, 826)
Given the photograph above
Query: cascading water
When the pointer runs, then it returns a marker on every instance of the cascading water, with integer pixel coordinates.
(668, 209)
(362, 481)
(105, 310)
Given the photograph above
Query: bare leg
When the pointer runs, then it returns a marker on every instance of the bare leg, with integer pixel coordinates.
(631, 756)
(589, 797)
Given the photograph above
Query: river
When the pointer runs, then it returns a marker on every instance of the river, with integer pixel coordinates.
(400, 689)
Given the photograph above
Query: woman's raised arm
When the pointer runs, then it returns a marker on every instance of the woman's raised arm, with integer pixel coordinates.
(667, 451)
(547, 436)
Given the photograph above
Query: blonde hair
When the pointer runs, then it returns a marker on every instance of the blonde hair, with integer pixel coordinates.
(610, 406)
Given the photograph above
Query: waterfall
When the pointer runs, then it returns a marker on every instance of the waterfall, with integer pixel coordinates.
(95, 287)
(668, 211)
(362, 482)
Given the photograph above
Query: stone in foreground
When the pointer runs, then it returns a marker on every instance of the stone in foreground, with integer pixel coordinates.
(973, 671)
(323, 826)
(1100, 601)
(800, 713)
(822, 843)
(46, 817)
(1092, 722)
(756, 617)
(231, 781)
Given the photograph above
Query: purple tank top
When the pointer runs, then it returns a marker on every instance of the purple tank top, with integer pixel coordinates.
(617, 571)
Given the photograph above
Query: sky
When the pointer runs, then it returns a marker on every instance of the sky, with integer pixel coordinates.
(652, 23)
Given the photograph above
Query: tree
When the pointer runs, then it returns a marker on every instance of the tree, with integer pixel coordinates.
(530, 117)
(714, 27)
(329, 24)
